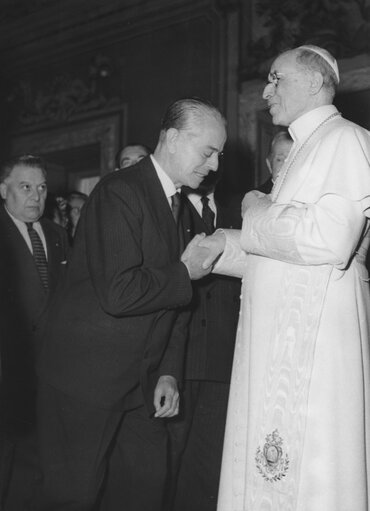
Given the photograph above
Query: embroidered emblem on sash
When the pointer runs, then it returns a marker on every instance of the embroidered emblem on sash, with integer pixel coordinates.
(271, 461)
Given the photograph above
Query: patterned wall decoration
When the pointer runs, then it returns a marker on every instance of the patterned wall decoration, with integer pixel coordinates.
(341, 26)
(64, 95)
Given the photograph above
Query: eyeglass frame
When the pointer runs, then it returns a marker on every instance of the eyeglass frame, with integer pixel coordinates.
(274, 77)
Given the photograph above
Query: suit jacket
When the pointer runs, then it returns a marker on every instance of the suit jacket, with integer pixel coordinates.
(23, 300)
(266, 187)
(116, 321)
(215, 308)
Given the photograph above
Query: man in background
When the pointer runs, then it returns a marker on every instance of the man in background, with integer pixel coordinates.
(197, 433)
(131, 154)
(32, 262)
(280, 147)
(114, 337)
(75, 202)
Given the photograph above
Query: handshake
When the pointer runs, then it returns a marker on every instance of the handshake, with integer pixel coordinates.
(202, 253)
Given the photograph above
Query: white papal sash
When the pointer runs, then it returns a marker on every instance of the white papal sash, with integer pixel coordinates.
(281, 420)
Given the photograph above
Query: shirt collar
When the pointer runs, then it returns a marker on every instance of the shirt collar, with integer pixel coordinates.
(302, 127)
(195, 198)
(167, 184)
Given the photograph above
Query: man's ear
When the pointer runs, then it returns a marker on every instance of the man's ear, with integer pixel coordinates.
(3, 188)
(317, 82)
(172, 135)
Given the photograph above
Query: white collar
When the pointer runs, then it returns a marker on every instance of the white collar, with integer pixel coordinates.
(166, 182)
(195, 198)
(302, 127)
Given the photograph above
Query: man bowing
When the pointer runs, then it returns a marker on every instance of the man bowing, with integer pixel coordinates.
(114, 349)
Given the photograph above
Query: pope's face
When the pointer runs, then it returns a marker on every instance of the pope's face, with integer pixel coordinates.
(196, 151)
(287, 93)
(24, 193)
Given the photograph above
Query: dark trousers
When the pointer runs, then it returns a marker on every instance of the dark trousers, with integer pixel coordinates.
(6, 460)
(196, 440)
(24, 473)
(76, 441)
(137, 468)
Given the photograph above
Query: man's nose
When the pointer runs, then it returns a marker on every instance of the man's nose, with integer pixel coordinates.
(213, 162)
(36, 194)
(268, 91)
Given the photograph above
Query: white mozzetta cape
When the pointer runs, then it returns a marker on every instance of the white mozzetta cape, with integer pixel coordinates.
(298, 427)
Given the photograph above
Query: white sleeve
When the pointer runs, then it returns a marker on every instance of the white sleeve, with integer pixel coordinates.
(233, 259)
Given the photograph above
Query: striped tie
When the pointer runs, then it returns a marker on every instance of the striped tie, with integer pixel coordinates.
(38, 254)
(208, 215)
(176, 206)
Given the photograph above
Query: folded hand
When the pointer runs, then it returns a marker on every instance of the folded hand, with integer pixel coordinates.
(202, 252)
(194, 256)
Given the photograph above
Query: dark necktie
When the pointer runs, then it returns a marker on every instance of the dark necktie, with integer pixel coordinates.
(208, 215)
(176, 206)
(38, 254)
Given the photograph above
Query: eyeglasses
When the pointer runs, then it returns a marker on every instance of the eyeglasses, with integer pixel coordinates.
(274, 78)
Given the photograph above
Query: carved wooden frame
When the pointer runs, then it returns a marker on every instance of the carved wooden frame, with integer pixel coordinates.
(106, 128)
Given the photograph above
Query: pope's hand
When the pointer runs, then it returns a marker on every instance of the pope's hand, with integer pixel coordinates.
(250, 199)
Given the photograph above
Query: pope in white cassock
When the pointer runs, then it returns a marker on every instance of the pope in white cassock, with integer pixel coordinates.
(298, 428)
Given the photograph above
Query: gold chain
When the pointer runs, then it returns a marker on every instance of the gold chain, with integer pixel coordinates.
(300, 149)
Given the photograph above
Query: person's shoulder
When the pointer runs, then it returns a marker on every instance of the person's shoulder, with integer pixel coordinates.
(229, 207)
(345, 134)
(266, 187)
(126, 177)
(49, 225)
(229, 200)
(6, 221)
(343, 125)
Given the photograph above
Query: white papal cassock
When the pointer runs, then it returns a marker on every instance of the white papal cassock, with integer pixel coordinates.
(298, 427)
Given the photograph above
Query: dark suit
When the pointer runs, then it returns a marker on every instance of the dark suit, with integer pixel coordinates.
(197, 435)
(23, 300)
(266, 187)
(113, 329)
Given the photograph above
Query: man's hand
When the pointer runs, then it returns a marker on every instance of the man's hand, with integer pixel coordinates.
(166, 397)
(194, 256)
(215, 245)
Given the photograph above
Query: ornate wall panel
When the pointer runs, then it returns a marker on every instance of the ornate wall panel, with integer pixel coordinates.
(79, 57)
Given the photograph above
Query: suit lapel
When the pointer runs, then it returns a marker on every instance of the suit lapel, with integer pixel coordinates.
(157, 202)
(25, 276)
(15, 240)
